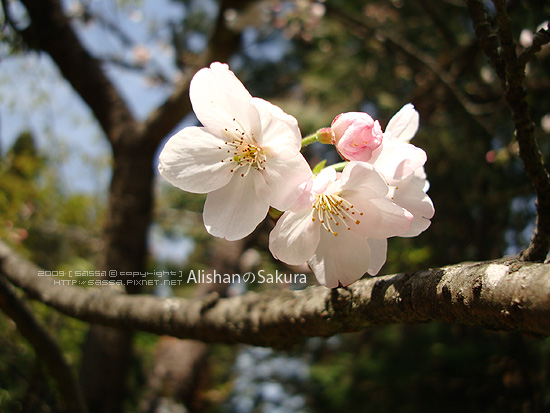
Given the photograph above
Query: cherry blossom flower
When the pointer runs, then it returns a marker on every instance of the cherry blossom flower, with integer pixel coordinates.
(246, 156)
(340, 225)
(402, 166)
(356, 135)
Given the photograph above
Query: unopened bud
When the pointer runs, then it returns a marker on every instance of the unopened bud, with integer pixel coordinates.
(356, 135)
(325, 135)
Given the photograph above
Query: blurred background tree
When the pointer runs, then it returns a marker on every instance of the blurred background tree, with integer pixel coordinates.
(315, 60)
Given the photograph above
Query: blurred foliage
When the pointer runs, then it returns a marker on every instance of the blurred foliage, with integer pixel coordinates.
(59, 232)
(25, 385)
(433, 368)
(48, 225)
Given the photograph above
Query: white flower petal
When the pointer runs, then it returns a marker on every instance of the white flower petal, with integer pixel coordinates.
(284, 178)
(295, 237)
(191, 161)
(342, 259)
(279, 130)
(234, 211)
(381, 217)
(306, 199)
(398, 160)
(363, 178)
(411, 195)
(378, 254)
(404, 124)
(420, 174)
(323, 179)
(219, 99)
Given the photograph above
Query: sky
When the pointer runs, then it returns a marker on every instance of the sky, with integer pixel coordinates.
(61, 122)
(35, 97)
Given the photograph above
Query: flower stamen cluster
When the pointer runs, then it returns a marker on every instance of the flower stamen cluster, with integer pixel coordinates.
(244, 151)
(333, 209)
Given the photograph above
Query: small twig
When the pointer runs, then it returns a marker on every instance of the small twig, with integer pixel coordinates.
(141, 69)
(487, 37)
(161, 121)
(540, 38)
(50, 31)
(430, 64)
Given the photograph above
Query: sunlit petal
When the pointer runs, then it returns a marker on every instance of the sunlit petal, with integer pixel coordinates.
(341, 259)
(410, 195)
(234, 211)
(219, 99)
(381, 217)
(284, 177)
(192, 161)
(363, 178)
(295, 237)
(279, 130)
(404, 124)
(398, 161)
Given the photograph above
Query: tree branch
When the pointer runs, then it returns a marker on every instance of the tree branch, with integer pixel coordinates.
(222, 45)
(164, 118)
(500, 295)
(50, 31)
(501, 50)
(45, 347)
(525, 133)
(487, 37)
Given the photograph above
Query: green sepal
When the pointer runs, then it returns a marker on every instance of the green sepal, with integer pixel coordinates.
(319, 167)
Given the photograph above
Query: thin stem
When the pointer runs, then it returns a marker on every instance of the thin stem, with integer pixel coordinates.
(308, 140)
(541, 38)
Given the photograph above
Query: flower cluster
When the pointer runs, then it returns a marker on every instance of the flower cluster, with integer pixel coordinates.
(247, 158)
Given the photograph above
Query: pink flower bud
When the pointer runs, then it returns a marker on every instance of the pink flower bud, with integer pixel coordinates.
(325, 135)
(356, 135)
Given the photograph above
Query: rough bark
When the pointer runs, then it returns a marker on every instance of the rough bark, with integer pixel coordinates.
(179, 371)
(507, 294)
